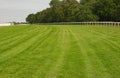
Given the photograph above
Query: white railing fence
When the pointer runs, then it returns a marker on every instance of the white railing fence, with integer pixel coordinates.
(84, 23)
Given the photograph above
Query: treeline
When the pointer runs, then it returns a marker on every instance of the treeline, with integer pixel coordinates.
(74, 11)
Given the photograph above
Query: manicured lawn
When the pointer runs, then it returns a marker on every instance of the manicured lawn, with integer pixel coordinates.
(63, 51)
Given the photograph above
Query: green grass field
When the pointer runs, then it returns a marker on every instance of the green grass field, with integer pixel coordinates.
(59, 51)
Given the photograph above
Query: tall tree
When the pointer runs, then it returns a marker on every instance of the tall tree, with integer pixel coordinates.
(31, 18)
(55, 3)
(104, 9)
(73, 11)
(71, 7)
(116, 14)
(57, 10)
(85, 15)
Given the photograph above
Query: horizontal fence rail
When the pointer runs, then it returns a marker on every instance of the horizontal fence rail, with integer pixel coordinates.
(83, 23)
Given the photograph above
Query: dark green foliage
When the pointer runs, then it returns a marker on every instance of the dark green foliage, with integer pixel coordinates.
(31, 18)
(57, 13)
(116, 11)
(104, 9)
(71, 7)
(116, 14)
(74, 11)
(85, 14)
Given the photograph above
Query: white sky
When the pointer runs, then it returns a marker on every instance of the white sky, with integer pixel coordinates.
(17, 10)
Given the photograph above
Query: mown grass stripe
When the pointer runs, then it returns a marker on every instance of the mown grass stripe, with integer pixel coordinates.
(16, 35)
(49, 54)
(26, 52)
(9, 34)
(54, 70)
(88, 66)
(86, 38)
(60, 52)
(27, 55)
(18, 48)
(8, 45)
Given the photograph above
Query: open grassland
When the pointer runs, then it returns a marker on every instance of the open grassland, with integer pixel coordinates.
(59, 51)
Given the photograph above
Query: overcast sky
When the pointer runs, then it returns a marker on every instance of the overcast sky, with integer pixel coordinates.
(17, 10)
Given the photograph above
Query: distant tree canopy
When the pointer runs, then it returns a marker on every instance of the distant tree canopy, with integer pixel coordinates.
(74, 11)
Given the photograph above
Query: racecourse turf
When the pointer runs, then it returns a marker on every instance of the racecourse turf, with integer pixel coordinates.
(60, 51)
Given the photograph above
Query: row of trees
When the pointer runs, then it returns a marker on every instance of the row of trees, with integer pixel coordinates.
(74, 11)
